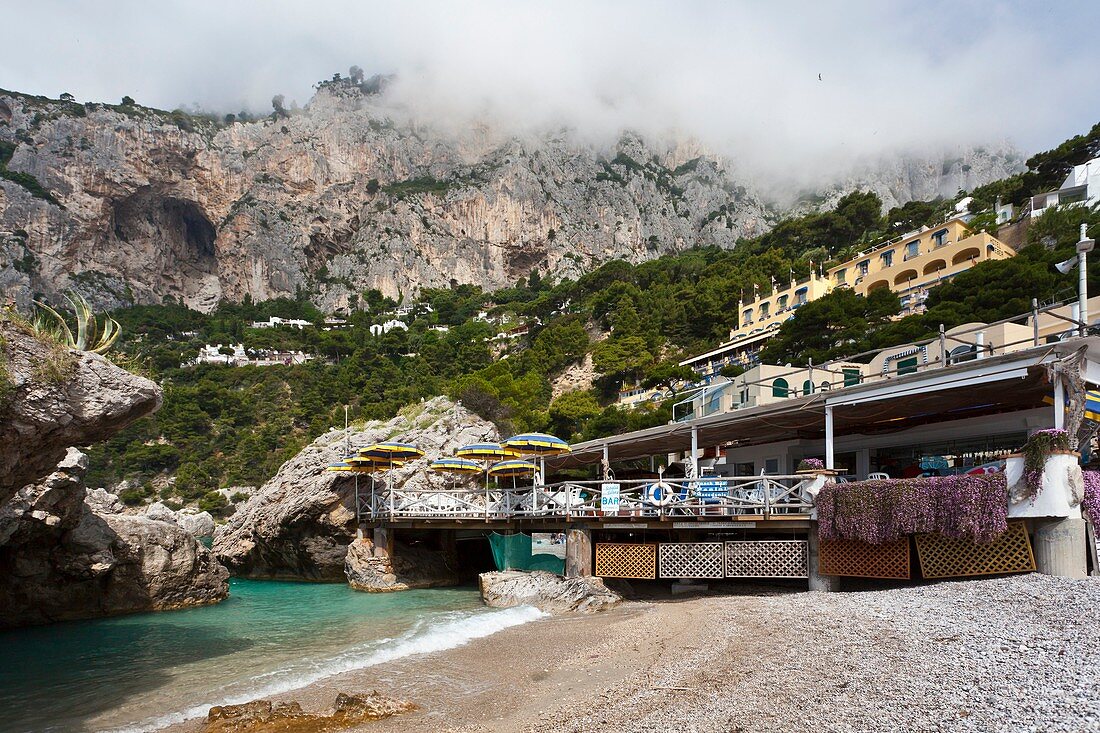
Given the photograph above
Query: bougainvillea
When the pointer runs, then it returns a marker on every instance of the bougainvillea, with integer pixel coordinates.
(1090, 504)
(1038, 447)
(968, 506)
(811, 464)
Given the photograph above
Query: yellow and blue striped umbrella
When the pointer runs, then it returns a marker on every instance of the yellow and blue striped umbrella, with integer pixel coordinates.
(391, 452)
(537, 444)
(455, 465)
(486, 452)
(513, 468)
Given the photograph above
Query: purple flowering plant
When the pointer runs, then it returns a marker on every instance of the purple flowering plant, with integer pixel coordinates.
(963, 507)
(1036, 451)
(811, 464)
(1090, 503)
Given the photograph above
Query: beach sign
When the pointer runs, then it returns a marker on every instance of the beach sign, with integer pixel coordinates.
(609, 498)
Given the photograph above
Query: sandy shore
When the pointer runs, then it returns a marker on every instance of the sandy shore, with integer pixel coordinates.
(1004, 654)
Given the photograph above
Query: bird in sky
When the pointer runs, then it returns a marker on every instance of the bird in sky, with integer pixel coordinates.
(819, 77)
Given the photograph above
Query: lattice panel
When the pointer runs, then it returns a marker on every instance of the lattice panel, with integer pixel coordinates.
(767, 559)
(615, 560)
(943, 557)
(692, 560)
(861, 560)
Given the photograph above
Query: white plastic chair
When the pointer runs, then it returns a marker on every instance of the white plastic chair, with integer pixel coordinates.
(877, 476)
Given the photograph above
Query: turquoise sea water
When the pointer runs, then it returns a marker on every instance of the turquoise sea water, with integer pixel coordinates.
(147, 670)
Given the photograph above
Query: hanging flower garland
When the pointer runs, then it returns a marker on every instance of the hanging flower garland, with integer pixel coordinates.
(811, 464)
(963, 507)
(1090, 504)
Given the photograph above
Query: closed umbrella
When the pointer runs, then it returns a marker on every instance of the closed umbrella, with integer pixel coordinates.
(516, 468)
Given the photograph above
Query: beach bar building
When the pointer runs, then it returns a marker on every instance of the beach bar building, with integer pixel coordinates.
(734, 488)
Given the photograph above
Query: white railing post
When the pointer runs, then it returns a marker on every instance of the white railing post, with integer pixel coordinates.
(829, 437)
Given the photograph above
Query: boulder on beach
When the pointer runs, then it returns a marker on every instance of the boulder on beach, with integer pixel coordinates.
(370, 568)
(64, 558)
(299, 524)
(260, 716)
(546, 591)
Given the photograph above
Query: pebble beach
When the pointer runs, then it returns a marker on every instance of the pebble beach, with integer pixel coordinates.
(1006, 654)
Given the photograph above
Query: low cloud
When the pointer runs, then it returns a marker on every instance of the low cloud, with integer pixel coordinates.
(782, 88)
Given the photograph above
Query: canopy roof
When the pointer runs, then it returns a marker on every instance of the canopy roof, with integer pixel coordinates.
(1006, 383)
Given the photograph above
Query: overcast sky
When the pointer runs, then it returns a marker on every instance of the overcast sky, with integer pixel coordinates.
(820, 80)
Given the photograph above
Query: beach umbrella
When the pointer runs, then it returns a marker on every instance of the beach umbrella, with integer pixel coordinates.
(455, 466)
(512, 468)
(392, 454)
(538, 444)
(488, 453)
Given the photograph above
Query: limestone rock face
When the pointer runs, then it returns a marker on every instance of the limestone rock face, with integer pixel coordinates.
(262, 716)
(370, 568)
(52, 398)
(200, 524)
(61, 558)
(547, 592)
(354, 193)
(300, 523)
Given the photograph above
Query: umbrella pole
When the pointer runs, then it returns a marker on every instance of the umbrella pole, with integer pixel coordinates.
(389, 485)
(358, 513)
(486, 491)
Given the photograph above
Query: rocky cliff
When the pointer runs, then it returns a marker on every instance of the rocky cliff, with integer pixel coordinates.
(125, 203)
(62, 556)
(300, 523)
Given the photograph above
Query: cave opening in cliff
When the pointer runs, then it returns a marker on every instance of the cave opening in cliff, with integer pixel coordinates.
(176, 229)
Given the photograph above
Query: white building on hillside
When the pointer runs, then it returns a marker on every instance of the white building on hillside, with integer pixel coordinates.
(1082, 186)
(378, 329)
(275, 321)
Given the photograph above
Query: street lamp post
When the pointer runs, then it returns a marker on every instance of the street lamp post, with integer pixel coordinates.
(1084, 246)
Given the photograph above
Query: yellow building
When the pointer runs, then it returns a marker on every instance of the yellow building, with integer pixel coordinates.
(767, 313)
(912, 264)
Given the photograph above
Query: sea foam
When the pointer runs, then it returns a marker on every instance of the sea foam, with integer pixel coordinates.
(445, 631)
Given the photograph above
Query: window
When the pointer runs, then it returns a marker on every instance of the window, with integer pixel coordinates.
(840, 276)
(864, 267)
(764, 309)
(746, 318)
(807, 387)
(800, 296)
(907, 366)
(782, 303)
(912, 249)
(940, 238)
(780, 388)
(771, 465)
(851, 377)
(960, 354)
(887, 258)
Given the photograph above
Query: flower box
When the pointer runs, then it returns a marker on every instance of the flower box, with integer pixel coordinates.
(1058, 494)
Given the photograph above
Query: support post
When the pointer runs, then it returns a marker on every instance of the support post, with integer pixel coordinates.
(819, 582)
(383, 540)
(943, 346)
(1035, 321)
(1059, 401)
(1060, 547)
(578, 553)
(829, 437)
(694, 451)
(606, 464)
(1083, 280)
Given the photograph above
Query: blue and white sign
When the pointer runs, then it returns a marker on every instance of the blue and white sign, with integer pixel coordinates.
(609, 498)
(710, 489)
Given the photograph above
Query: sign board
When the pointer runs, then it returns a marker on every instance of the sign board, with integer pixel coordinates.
(710, 489)
(713, 525)
(609, 498)
(624, 525)
(928, 463)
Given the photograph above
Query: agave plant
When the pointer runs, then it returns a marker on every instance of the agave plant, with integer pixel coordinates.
(90, 336)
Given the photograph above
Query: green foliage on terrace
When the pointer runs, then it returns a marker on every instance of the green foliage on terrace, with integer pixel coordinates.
(1045, 171)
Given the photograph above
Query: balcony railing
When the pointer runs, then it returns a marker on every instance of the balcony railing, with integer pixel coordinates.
(761, 496)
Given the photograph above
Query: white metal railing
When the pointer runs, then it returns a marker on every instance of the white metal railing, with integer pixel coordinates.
(717, 496)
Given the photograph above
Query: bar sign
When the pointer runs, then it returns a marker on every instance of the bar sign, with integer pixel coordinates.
(609, 498)
(714, 525)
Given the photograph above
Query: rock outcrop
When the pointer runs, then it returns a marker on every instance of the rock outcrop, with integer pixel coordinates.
(52, 398)
(369, 567)
(200, 524)
(547, 592)
(300, 523)
(130, 203)
(263, 716)
(62, 558)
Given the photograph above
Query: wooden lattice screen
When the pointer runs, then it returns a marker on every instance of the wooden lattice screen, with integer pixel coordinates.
(692, 560)
(615, 560)
(861, 560)
(944, 557)
(767, 559)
